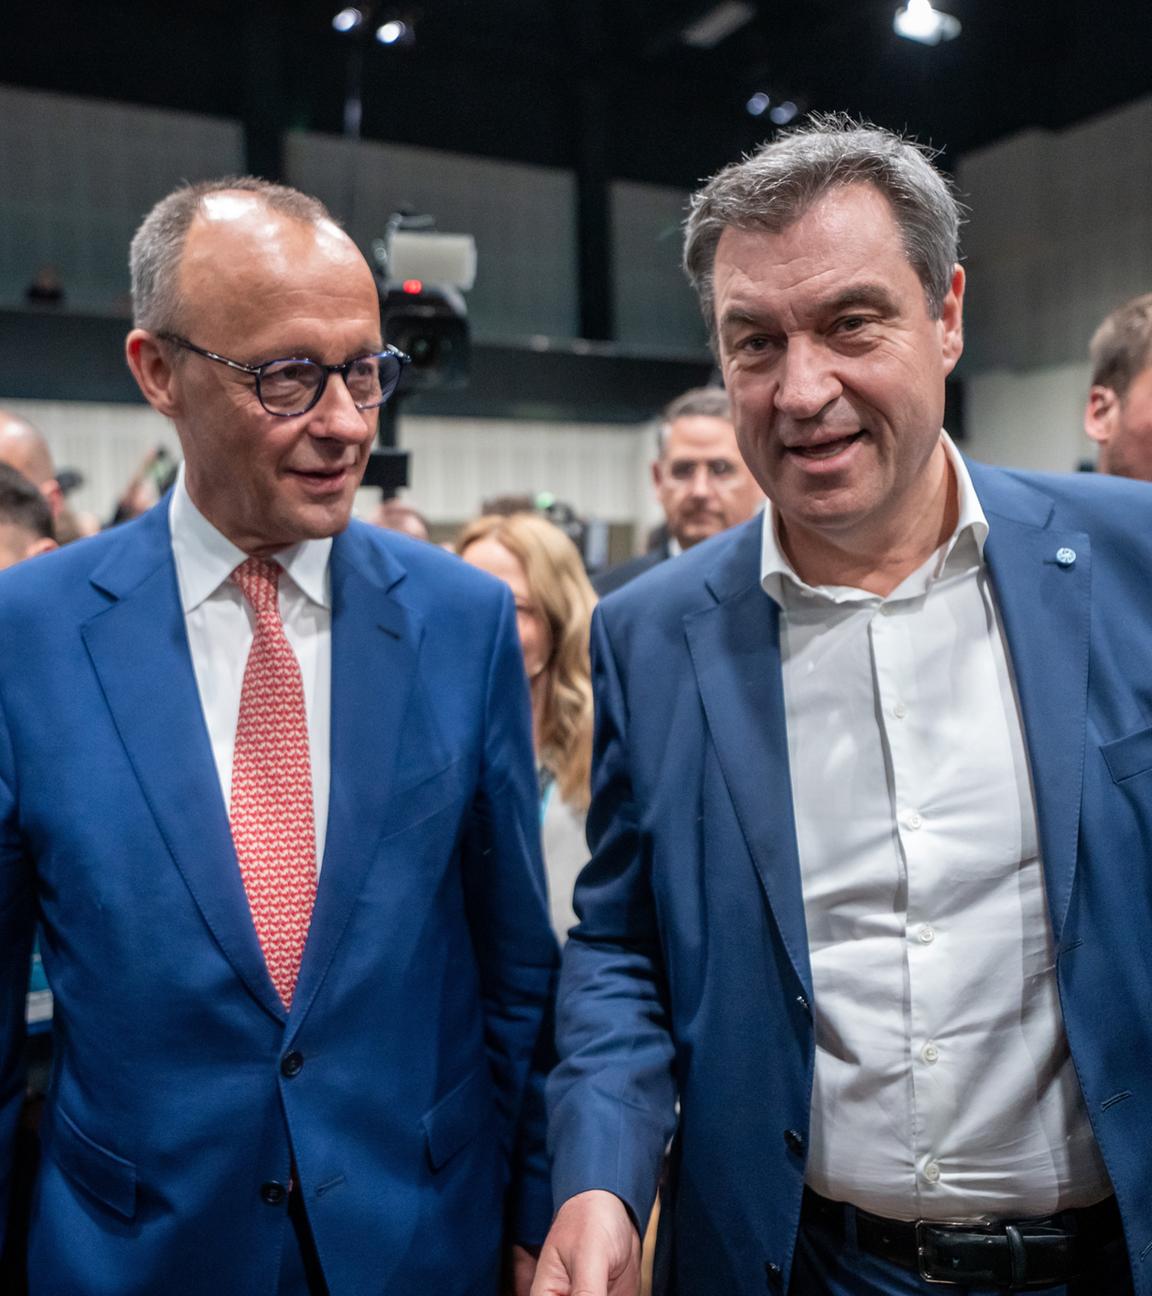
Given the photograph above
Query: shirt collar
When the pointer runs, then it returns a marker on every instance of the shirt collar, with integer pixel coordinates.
(960, 551)
(205, 558)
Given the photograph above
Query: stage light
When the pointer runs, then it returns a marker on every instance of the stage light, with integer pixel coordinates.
(757, 106)
(390, 33)
(783, 113)
(348, 20)
(918, 21)
(718, 24)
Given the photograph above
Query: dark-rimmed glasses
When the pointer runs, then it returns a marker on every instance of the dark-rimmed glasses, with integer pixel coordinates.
(295, 384)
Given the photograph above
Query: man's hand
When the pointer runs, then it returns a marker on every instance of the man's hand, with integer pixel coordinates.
(592, 1249)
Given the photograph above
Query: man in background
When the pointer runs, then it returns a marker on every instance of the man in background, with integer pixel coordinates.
(23, 447)
(700, 479)
(266, 780)
(25, 519)
(1118, 416)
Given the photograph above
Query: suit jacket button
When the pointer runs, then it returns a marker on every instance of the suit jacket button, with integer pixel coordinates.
(794, 1139)
(273, 1193)
(291, 1064)
(773, 1273)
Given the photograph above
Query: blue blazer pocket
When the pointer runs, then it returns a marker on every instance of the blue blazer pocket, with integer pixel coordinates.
(1127, 757)
(103, 1174)
(458, 1117)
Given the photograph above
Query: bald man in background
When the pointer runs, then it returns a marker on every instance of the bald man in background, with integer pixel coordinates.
(23, 447)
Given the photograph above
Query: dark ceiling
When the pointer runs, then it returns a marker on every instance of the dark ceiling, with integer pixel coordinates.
(606, 86)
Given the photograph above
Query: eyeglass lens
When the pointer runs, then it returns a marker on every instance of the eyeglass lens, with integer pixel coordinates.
(290, 386)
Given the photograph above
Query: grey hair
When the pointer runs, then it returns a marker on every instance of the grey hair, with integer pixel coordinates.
(697, 402)
(158, 245)
(773, 187)
(1121, 348)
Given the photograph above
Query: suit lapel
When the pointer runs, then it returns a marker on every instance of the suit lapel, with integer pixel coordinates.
(735, 648)
(375, 641)
(1044, 605)
(139, 649)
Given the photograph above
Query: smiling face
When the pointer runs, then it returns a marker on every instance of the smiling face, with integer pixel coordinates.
(835, 372)
(258, 286)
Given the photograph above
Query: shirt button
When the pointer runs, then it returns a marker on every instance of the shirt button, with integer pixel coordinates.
(899, 710)
(926, 935)
(930, 1053)
(888, 609)
(932, 1172)
(913, 819)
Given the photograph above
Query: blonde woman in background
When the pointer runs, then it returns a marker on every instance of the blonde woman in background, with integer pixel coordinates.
(554, 604)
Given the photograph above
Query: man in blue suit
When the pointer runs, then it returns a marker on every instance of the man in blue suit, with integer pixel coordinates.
(266, 780)
(870, 894)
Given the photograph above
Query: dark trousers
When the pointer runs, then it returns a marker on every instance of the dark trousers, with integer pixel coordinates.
(300, 1272)
(829, 1263)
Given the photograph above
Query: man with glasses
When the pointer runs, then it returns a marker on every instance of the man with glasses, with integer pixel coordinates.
(266, 777)
(700, 479)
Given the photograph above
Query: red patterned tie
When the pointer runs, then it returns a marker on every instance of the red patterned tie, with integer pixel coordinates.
(271, 811)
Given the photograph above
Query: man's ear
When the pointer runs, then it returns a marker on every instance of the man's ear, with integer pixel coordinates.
(1101, 413)
(952, 321)
(152, 367)
(41, 546)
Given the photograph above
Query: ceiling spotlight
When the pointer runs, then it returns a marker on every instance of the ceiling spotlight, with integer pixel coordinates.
(918, 21)
(783, 113)
(392, 32)
(348, 20)
(718, 24)
(758, 104)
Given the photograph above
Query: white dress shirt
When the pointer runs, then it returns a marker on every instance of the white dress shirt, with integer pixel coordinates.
(944, 1087)
(220, 624)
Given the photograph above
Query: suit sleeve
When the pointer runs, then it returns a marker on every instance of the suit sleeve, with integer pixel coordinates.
(16, 931)
(612, 1097)
(508, 914)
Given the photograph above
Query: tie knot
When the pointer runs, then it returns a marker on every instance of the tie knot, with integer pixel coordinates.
(259, 580)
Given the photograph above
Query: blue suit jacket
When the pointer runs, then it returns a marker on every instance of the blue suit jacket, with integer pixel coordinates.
(689, 973)
(427, 970)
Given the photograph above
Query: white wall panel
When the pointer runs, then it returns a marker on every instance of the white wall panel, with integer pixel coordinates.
(522, 217)
(600, 470)
(1029, 419)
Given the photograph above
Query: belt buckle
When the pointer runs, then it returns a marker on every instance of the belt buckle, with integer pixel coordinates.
(980, 1224)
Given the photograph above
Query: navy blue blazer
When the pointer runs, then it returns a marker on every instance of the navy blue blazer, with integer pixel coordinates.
(428, 966)
(688, 974)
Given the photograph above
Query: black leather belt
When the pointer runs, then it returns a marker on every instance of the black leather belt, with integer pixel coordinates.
(1017, 1255)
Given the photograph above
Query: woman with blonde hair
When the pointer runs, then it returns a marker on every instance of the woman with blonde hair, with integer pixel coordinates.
(554, 604)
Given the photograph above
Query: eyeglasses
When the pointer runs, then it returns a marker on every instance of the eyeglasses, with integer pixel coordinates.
(293, 386)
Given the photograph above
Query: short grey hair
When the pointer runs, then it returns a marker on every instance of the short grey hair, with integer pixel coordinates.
(1121, 348)
(773, 187)
(697, 402)
(158, 245)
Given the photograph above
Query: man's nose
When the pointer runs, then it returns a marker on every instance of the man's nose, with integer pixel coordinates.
(700, 483)
(807, 381)
(336, 417)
